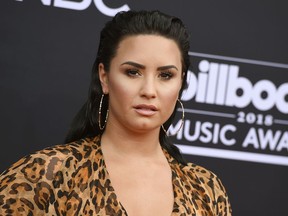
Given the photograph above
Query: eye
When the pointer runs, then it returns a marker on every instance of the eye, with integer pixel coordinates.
(166, 75)
(133, 72)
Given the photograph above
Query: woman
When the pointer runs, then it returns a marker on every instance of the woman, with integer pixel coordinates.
(118, 160)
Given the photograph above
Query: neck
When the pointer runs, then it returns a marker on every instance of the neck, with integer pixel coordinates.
(129, 143)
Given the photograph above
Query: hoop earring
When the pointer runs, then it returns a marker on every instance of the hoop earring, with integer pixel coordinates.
(99, 114)
(182, 121)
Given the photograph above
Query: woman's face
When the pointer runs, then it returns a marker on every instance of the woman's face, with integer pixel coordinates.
(143, 82)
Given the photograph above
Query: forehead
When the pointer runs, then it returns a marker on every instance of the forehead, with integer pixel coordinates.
(149, 48)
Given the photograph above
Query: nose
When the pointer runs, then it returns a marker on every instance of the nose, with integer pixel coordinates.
(148, 87)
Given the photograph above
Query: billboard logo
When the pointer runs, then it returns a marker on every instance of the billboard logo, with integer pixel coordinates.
(235, 109)
(221, 84)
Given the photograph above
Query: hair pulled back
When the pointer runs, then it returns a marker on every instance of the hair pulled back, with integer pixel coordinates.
(125, 24)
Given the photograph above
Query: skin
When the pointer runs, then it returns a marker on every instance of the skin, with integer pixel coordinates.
(143, 84)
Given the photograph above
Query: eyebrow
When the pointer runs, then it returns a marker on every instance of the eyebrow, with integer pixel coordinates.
(140, 66)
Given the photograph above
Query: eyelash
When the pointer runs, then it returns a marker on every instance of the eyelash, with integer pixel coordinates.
(132, 72)
(164, 75)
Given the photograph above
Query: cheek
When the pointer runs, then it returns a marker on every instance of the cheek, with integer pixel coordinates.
(173, 90)
(171, 95)
(120, 90)
(170, 98)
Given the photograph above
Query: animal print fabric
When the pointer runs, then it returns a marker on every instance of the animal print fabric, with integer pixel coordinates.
(72, 179)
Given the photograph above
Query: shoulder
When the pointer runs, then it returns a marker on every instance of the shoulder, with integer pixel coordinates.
(210, 186)
(49, 160)
(49, 165)
(204, 176)
(37, 179)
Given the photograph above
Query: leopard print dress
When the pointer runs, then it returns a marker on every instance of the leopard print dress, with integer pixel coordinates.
(72, 179)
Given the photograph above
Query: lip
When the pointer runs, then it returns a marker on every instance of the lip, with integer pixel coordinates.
(145, 109)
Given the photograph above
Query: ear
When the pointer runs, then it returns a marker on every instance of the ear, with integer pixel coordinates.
(103, 76)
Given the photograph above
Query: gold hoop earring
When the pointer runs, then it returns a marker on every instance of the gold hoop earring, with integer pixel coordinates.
(182, 121)
(99, 114)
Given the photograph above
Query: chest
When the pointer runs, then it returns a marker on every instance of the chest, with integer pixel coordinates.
(135, 198)
(142, 190)
(137, 192)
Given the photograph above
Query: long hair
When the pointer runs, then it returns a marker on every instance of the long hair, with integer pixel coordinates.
(125, 24)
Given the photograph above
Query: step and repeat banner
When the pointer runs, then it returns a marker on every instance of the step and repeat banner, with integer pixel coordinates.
(236, 100)
(237, 107)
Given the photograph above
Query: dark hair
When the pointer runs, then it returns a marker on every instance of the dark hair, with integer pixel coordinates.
(125, 24)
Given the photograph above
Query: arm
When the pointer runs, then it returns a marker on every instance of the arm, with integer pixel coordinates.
(222, 204)
(26, 188)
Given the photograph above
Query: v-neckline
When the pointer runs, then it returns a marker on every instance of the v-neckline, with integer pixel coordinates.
(173, 177)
